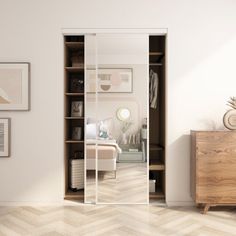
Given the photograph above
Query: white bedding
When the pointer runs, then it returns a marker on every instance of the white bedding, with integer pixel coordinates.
(104, 142)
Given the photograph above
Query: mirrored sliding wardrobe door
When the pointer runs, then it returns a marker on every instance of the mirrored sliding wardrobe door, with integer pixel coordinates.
(122, 111)
(91, 118)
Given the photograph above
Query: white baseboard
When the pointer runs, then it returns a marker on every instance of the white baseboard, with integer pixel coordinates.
(54, 203)
(74, 203)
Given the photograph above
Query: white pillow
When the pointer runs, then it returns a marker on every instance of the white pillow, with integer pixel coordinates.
(106, 126)
(91, 131)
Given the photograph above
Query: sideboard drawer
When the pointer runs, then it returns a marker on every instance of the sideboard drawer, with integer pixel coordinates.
(213, 167)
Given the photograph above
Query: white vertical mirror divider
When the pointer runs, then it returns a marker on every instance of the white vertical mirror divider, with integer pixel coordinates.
(90, 118)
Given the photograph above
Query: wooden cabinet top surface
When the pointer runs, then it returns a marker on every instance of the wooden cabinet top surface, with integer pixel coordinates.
(212, 131)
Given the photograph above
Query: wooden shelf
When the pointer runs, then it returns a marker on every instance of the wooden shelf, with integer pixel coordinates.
(155, 58)
(74, 118)
(155, 147)
(74, 94)
(156, 53)
(159, 194)
(75, 45)
(74, 141)
(71, 195)
(74, 69)
(155, 64)
(156, 166)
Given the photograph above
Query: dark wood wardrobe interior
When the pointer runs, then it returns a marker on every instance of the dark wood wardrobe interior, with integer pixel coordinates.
(74, 92)
(157, 58)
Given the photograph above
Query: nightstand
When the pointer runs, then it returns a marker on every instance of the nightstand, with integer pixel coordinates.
(130, 156)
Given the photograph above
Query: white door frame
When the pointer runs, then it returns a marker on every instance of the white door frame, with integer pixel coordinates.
(83, 31)
(148, 31)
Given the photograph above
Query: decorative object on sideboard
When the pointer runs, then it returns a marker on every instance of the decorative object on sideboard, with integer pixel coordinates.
(229, 119)
(5, 137)
(76, 84)
(14, 86)
(77, 108)
(77, 133)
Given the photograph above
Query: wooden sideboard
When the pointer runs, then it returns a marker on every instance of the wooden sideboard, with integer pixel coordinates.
(213, 168)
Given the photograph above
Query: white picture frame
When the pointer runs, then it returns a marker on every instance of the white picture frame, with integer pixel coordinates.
(110, 80)
(5, 137)
(14, 86)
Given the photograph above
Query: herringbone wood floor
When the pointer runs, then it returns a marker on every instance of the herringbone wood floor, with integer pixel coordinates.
(116, 220)
(129, 186)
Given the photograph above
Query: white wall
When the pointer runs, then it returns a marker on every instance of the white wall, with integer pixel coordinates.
(201, 77)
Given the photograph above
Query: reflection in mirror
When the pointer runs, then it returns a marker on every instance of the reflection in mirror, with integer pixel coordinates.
(91, 126)
(123, 114)
(122, 108)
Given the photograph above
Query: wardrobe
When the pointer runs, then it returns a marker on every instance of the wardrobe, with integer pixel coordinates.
(157, 117)
(108, 75)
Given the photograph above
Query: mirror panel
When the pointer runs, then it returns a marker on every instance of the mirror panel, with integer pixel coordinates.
(122, 102)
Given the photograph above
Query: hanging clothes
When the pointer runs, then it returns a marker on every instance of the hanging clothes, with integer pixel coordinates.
(153, 89)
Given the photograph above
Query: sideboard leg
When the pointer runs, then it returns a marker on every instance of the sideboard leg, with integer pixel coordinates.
(206, 208)
(199, 205)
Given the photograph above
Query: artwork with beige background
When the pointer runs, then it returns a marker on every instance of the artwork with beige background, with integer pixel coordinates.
(14, 87)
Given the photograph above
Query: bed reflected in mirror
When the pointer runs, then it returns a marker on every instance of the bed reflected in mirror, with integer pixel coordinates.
(116, 114)
(122, 109)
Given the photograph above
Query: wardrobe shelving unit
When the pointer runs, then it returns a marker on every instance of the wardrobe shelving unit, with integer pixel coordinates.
(157, 145)
(157, 118)
(73, 47)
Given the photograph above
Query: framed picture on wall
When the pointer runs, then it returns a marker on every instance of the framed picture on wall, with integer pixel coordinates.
(5, 137)
(110, 80)
(14, 86)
